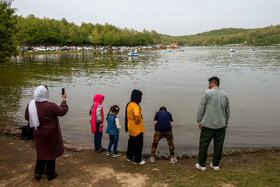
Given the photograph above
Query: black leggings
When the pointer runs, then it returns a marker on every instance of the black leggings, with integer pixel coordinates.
(45, 167)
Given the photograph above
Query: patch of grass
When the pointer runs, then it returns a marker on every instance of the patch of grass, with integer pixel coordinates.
(254, 169)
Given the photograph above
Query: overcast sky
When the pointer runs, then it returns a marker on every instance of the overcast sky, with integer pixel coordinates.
(173, 17)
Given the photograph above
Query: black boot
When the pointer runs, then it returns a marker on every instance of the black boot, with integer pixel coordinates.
(51, 177)
(38, 176)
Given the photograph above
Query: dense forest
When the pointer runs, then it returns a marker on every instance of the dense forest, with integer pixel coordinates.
(36, 31)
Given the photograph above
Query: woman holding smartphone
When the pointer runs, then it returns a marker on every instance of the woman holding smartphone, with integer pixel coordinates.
(43, 117)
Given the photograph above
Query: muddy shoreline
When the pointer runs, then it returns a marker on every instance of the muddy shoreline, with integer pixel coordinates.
(15, 130)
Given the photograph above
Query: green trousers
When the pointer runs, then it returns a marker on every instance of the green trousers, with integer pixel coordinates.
(206, 135)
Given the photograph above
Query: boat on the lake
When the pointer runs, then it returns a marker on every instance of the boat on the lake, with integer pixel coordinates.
(180, 50)
(132, 54)
(252, 49)
(231, 50)
(169, 50)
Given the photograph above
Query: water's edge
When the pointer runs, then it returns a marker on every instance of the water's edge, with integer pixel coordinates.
(15, 131)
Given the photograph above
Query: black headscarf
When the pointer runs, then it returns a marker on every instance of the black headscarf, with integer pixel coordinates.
(136, 97)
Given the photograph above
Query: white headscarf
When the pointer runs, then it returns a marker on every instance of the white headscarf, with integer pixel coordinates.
(40, 94)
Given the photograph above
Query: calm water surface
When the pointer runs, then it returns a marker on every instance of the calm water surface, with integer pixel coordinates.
(175, 80)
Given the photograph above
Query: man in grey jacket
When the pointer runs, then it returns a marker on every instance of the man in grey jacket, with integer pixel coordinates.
(212, 118)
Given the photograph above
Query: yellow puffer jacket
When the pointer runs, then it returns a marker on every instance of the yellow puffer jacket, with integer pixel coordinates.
(133, 115)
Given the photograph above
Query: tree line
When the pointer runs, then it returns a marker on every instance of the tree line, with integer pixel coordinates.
(45, 31)
(36, 31)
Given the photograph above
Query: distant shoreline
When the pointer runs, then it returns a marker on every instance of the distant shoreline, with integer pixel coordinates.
(126, 51)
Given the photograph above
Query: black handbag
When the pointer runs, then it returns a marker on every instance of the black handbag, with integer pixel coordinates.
(27, 133)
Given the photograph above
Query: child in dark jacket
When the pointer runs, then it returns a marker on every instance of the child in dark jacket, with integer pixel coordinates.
(113, 126)
(163, 129)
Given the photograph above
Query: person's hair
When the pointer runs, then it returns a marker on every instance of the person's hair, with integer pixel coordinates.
(46, 87)
(216, 80)
(114, 109)
(163, 108)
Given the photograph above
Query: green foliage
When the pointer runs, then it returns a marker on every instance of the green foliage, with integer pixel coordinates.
(262, 36)
(36, 31)
(156, 37)
(8, 30)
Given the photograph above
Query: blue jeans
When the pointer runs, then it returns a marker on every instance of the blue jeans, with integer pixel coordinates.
(97, 137)
(114, 139)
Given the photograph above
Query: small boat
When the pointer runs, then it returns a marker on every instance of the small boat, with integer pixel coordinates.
(132, 54)
(252, 49)
(169, 50)
(105, 51)
(180, 50)
(231, 50)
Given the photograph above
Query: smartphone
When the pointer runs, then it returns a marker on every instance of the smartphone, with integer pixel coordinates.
(63, 91)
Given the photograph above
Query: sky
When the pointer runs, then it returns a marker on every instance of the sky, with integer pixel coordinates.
(172, 17)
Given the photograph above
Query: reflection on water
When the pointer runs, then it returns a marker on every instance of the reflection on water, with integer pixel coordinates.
(174, 80)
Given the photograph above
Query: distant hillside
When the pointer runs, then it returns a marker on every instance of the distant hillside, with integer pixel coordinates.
(261, 36)
(224, 31)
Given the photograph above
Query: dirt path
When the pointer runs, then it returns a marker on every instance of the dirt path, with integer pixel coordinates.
(85, 168)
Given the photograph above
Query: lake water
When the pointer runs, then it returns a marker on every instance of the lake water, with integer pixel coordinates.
(175, 80)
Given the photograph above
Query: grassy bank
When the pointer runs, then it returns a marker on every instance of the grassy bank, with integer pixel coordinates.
(252, 169)
(17, 157)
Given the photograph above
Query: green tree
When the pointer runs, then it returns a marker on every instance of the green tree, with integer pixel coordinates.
(85, 33)
(156, 37)
(8, 30)
(96, 38)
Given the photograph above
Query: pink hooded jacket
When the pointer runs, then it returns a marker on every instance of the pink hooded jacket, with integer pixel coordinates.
(97, 101)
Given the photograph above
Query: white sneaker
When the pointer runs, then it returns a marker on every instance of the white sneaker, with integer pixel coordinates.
(128, 160)
(152, 159)
(140, 163)
(116, 155)
(173, 160)
(214, 167)
(108, 153)
(200, 167)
